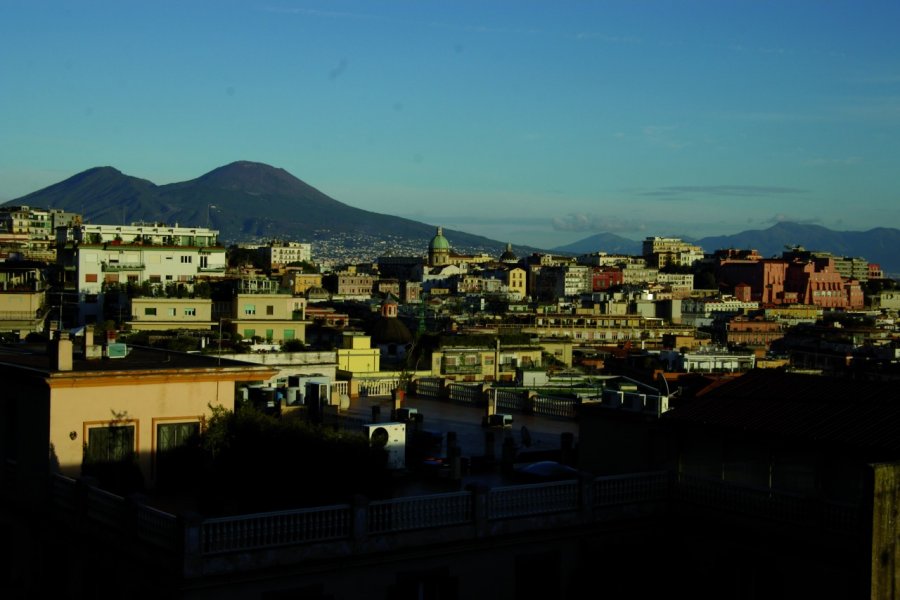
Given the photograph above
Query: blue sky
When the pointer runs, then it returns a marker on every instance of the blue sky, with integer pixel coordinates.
(532, 122)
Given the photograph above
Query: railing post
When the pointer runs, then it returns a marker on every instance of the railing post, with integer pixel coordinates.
(191, 526)
(133, 504)
(586, 496)
(359, 519)
(480, 516)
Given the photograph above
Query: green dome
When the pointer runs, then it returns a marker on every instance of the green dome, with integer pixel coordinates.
(439, 242)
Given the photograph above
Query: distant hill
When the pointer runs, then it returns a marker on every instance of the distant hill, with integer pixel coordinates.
(880, 245)
(602, 242)
(246, 202)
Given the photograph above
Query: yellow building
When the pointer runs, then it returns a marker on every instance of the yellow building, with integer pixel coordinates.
(516, 282)
(357, 355)
(59, 409)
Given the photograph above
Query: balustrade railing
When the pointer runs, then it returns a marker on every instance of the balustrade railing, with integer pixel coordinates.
(555, 407)
(627, 489)
(249, 532)
(511, 400)
(429, 388)
(533, 499)
(157, 527)
(421, 512)
(105, 507)
(461, 392)
(394, 516)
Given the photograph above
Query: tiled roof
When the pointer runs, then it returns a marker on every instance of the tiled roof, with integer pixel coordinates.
(856, 414)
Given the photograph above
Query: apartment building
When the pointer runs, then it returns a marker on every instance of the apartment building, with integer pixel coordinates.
(94, 258)
(661, 252)
(151, 313)
(33, 230)
(273, 317)
(279, 254)
(23, 298)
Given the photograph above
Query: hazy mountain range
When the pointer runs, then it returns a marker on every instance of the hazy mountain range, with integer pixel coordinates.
(248, 201)
(880, 245)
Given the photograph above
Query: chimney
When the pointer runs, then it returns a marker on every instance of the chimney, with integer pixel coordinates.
(61, 352)
(90, 350)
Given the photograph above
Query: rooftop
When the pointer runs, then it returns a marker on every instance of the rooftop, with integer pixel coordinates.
(36, 357)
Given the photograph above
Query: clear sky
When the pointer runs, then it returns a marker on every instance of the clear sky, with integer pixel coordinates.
(532, 122)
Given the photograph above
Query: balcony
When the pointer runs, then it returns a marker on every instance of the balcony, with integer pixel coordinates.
(118, 267)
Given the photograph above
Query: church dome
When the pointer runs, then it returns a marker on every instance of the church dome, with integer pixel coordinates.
(391, 330)
(508, 255)
(439, 242)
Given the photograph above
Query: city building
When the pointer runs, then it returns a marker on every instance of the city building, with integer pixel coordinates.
(77, 401)
(280, 254)
(151, 313)
(23, 299)
(96, 258)
(660, 252)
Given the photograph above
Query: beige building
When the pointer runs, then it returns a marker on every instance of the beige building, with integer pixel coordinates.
(299, 282)
(23, 299)
(156, 314)
(483, 364)
(61, 409)
(274, 318)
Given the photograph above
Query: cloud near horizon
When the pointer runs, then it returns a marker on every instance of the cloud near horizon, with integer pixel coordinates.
(596, 223)
(722, 190)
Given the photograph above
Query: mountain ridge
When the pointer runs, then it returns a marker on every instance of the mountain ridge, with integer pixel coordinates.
(877, 245)
(246, 201)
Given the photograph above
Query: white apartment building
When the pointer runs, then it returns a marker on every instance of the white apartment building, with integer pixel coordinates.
(660, 252)
(284, 253)
(95, 257)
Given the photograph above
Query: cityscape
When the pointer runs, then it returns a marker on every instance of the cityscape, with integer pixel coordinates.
(330, 299)
(223, 413)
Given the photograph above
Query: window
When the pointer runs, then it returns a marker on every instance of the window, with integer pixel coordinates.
(187, 259)
(172, 435)
(288, 334)
(90, 278)
(270, 310)
(204, 262)
(171, 312)
(150, 311)
(249, 309)
(190, 312)
(269, 335)
(171, 465)
(249, 333)
(108, 444)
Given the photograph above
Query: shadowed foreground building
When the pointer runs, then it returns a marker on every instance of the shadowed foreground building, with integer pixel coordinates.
(768, 486)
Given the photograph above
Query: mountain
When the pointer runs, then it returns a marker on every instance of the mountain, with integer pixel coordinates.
(602, 242)
(879, 245)
(247, 202)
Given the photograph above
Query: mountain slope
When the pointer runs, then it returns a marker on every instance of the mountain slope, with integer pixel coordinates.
(245, 201)
(602, 242)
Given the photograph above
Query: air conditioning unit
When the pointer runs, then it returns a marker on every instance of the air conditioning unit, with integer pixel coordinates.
(391, 437)
(405, 414)
(500, 420)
